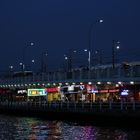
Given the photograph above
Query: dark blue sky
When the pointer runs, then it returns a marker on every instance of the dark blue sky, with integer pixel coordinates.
(56, 26)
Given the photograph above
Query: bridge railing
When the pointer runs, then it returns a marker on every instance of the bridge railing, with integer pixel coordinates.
(73, 106)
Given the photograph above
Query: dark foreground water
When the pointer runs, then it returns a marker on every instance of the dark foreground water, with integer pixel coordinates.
(24, 128)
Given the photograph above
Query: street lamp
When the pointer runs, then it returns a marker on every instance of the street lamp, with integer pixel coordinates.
(24, 52)
(90, 41)
(43, 64)
(70, 58)
(115, 46)
(99, 56)
(22, 66)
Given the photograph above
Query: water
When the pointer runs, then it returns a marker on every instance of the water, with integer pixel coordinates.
(24, 128)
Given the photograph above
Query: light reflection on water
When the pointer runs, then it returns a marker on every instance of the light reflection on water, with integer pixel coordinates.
(23, 128)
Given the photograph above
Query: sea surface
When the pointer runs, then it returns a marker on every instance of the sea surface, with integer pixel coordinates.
(27, 128)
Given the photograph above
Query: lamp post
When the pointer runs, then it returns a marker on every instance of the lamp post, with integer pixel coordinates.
(90, 41)
(66, 62)
(115, 46)
(43, 62)
(22, 66)
(99, 56)
(24, 52)
(70, 59)
(11, 69)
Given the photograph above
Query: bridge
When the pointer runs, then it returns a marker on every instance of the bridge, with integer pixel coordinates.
(128, 73)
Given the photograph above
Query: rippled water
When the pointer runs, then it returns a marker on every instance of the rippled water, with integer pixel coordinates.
(23, 128)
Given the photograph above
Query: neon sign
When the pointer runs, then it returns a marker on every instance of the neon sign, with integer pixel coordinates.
(124, 92)
(49, 90)
(37, 92)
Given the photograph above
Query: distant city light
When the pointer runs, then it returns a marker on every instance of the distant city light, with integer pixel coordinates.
(33, 61)
(100, 20)
(32, 44)
(118, 47)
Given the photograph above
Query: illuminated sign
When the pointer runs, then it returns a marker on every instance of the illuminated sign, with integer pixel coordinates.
(91, 89)
(124, 92)
(37, 92)
(50, 90)
(21, 91)
(103, 91)
(113, 90)
(71, 88)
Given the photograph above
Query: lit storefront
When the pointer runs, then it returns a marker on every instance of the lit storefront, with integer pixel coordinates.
(130, 92)
(53, 94)
(21, 95)
(91, 93)
(73, 93)
(37, 94)
(7, 94)
(106, 95)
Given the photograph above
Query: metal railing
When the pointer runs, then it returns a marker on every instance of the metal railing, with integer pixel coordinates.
(73, 106)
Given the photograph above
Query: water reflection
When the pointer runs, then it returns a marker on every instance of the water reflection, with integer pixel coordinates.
(18, 128)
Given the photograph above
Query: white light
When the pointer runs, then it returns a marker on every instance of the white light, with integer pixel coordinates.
(73, 83)
(117, 85)
(32, 43)
(85, 50)
(81, 83)
(120, 83)
(48, 84)
(20, 63)
(109, 83)
(100, 20)
(60, 84)
(89, 83)
(131, 82)
(66, 57)
(33, 61)
(11, 67)
(118, 47)
(67, 83)
(54, 84)
(98, 83)
(38, 84)
(74, 51)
